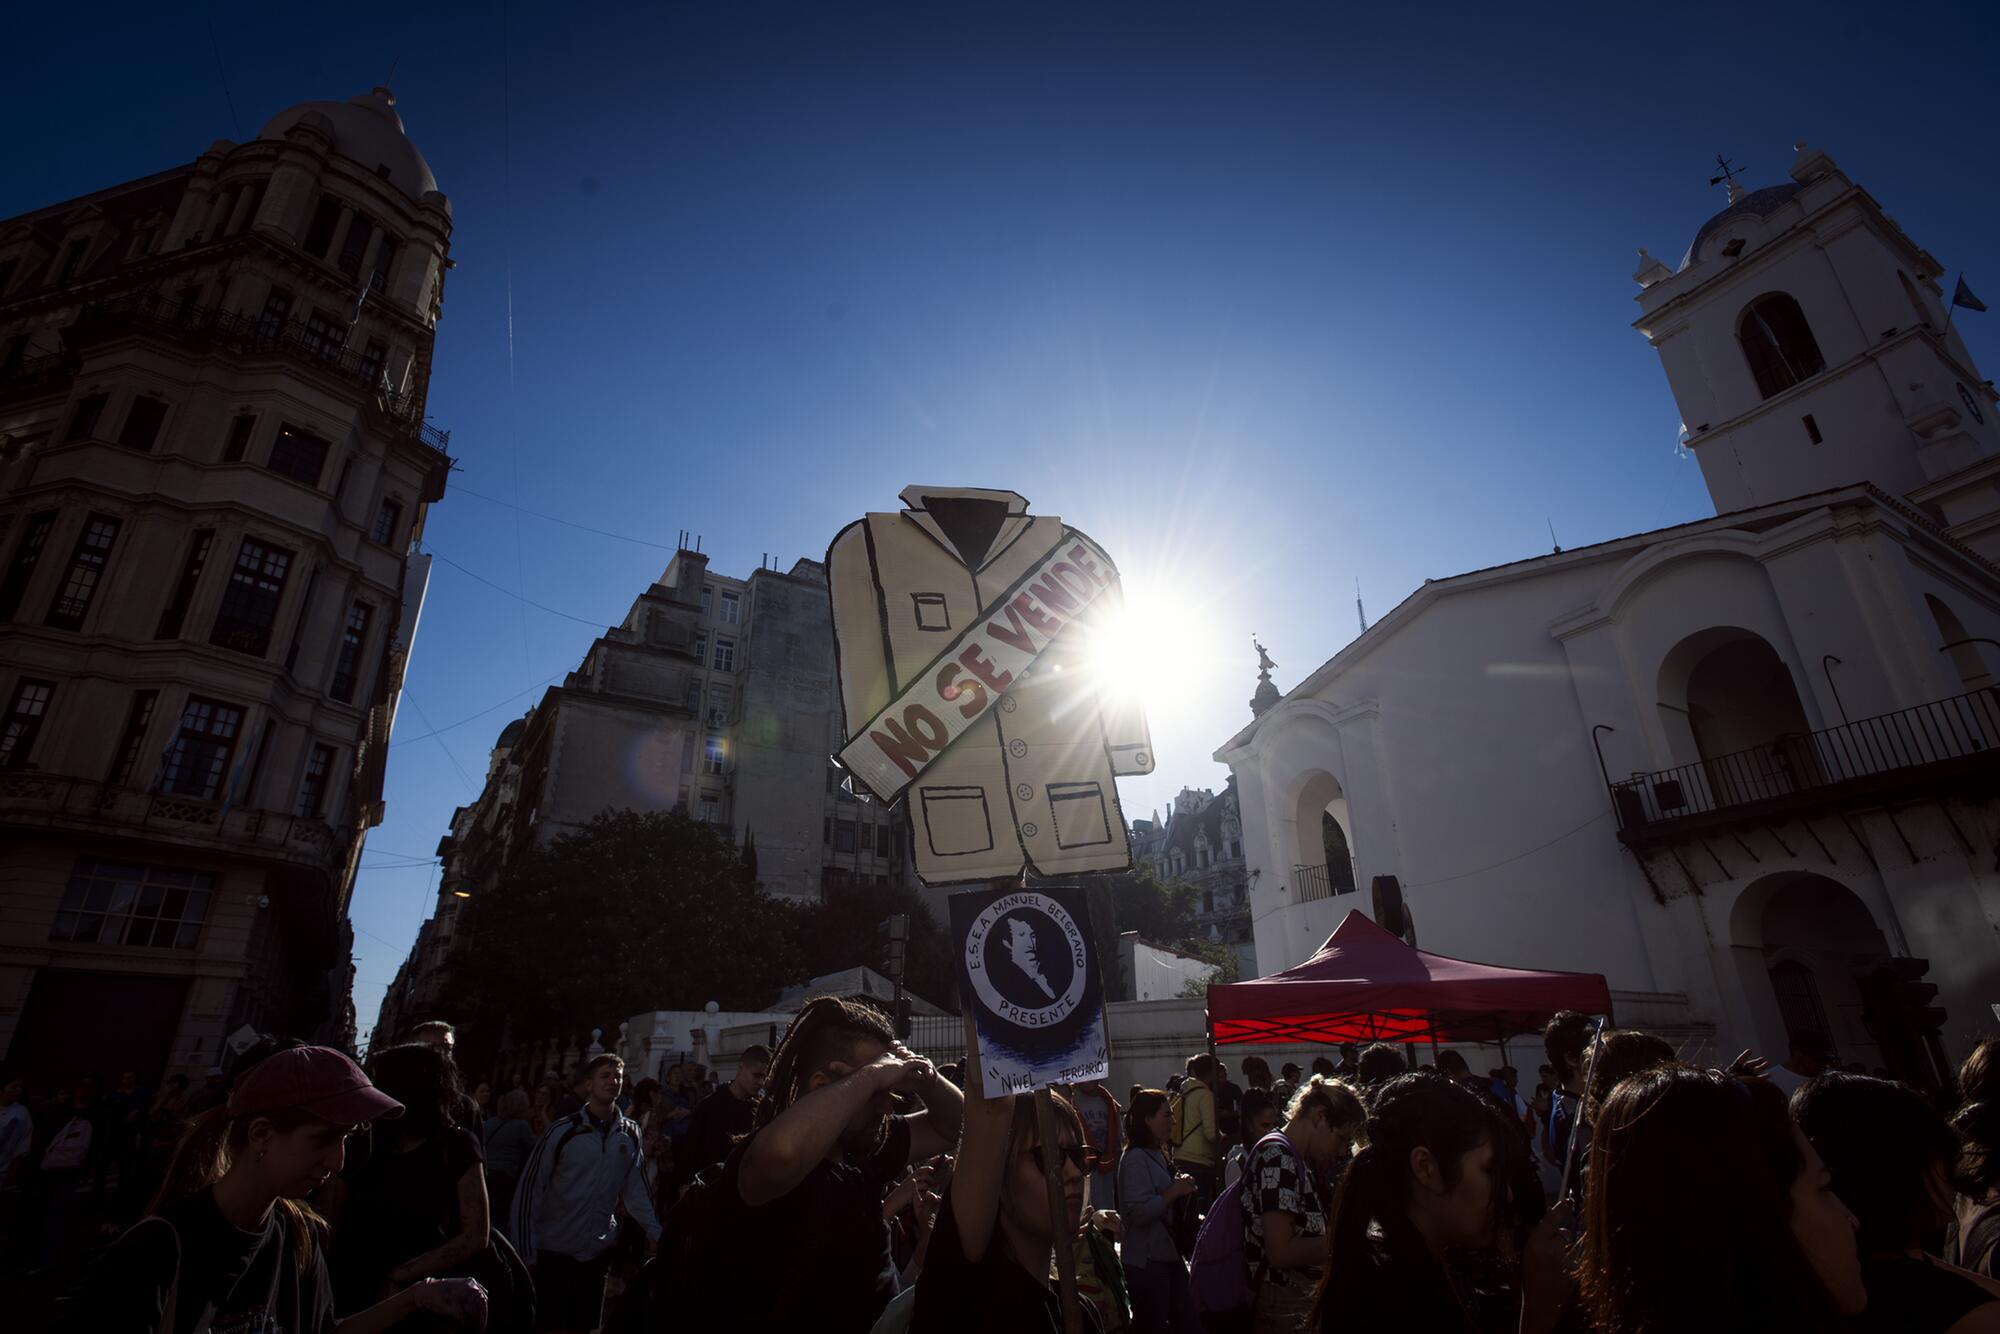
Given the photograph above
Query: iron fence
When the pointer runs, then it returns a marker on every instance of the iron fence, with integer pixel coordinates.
(1946, 729)
(31, 797)
(1318, 882)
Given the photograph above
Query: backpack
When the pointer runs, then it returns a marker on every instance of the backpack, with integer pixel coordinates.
(1219, 1277)
(70, 1147)
(1177, 1108)
(692, 1258)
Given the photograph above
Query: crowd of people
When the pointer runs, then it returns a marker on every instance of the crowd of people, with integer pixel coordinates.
(844, 1183)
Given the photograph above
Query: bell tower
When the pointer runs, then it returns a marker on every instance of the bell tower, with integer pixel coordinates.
(1806, 340)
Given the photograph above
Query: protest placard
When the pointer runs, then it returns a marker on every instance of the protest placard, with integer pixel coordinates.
(1029, 977)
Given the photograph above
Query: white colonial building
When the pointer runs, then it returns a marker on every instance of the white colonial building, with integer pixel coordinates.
(1740, 766)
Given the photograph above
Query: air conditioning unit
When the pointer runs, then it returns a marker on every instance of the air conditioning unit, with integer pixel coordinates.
(718, 717)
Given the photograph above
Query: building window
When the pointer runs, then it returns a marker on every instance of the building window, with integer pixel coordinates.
(86, 569)
(843, 835)
(347, 667)
(277, 309)
(711, 808)
(388, 521)
(118, 903)
(826, 830)
(72, 259)
(142, 424)
(725, 654)
(687, 759)
(319, 236)
(324, 334)
(692, 696)
(720, 696)
(198, 760)
(881, 840)
(26, 556)
(707, 600)
(24, 721)
(131, 745)
(1778, 343)
(83, 422)
(711, 756)
(701, 646)
(298, 455)
(238, 443)
(354, 246)
(312, 787)
(305, 618)
(372, 358)
(732, 605)
(385, 263)
(250, 602)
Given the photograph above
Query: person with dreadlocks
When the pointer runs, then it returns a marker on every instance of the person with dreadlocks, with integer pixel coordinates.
(802, 1195)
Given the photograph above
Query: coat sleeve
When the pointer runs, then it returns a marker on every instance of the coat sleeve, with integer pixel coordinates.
(1139, 1200)
(528, 1191)
(637, 1196)
(861, 659)
(1125, 732)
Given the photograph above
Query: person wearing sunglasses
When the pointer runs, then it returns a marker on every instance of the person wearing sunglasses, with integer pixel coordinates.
(989, 1267)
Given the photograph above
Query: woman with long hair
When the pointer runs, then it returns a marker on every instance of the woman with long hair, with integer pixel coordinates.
(542, 1107)
(1975, 1238)
(1708, 1210)
(989, 1267)
(1430, 1180)
(1285, 1177)
(1891, 1157)
(229, 1242)
(1147, 1185)
(416, 1207)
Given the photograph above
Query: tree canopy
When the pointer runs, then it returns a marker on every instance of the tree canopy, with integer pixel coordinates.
(635, 912)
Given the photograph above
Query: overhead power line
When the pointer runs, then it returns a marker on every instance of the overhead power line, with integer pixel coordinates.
(459, 488)
(498, 588)
(475, 717)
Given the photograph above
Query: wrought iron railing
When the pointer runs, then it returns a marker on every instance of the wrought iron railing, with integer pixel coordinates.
(1315, 882)
(1945, 729)
(31, 375)
(30, 797)
(318, 346)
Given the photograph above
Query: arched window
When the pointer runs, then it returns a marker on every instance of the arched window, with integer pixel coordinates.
(1779, 343)
(1339, 859)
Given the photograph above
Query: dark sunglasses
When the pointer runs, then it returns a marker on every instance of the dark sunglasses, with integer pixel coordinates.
(1079, 1155)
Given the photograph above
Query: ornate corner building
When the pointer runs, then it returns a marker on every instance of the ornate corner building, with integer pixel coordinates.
(214, 468)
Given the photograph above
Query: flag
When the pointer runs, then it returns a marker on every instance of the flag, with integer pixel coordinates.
(1962, 296)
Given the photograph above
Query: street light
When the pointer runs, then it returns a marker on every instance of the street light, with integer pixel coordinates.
(1827, 663)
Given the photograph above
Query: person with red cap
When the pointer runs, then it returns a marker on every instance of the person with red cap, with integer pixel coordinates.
(229, 1243)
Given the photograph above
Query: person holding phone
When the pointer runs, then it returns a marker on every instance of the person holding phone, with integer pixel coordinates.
(1155, 1277)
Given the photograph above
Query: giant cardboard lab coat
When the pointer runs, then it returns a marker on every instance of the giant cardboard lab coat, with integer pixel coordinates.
(996, 731)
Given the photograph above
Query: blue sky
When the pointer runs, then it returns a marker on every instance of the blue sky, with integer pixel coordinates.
(1267, 298)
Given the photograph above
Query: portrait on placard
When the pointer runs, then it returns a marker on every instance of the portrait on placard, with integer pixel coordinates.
(964, 628)
(1029, 976)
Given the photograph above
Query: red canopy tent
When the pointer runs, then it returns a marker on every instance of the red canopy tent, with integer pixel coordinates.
(1366, 985)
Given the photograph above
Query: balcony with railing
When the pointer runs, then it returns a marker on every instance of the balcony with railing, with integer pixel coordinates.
(1322, 882)
(29, 798)
(312, 345)
(1893, 756)
(32, 377)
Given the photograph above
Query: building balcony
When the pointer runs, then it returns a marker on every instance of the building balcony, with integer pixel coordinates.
(36, 377)
(1946, 746)
(1315, 882)
(79, 805)
(318, 349)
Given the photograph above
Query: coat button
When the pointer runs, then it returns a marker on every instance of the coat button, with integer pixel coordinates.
(1024, 792)
(1017, 748)
(1008, 704)
(1030, 829)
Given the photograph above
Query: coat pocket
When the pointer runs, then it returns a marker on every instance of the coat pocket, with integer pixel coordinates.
(1080, 816)
(956, 820)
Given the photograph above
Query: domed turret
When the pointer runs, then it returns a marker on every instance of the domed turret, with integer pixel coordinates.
(367, 130)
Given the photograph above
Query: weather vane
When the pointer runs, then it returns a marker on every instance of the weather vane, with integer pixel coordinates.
(1729, 172)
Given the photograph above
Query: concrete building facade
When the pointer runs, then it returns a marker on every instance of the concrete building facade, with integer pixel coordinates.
(714, 696)
(1746, 766)
(1201, 843)
(214, 466)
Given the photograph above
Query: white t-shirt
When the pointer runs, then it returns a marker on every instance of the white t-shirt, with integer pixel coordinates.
(16, 1130)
